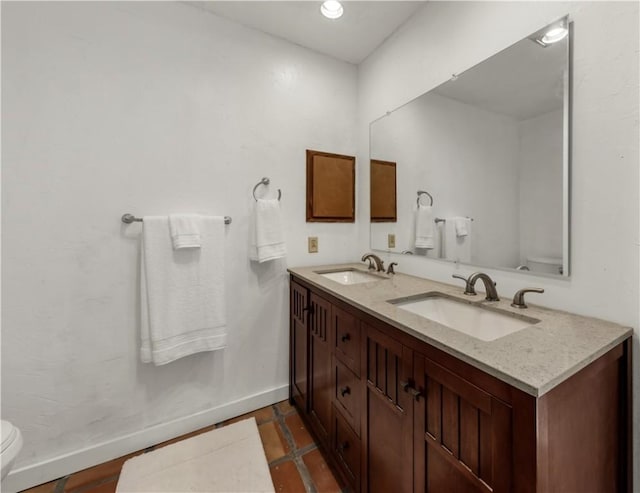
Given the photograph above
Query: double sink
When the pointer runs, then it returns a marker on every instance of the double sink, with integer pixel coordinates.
(472, 318)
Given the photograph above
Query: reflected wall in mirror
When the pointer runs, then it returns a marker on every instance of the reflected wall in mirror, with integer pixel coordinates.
(491, 146)
(383, 191)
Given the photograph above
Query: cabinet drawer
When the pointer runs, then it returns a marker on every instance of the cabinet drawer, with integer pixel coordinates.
(346, 445)
(348, 389)
(347, 339)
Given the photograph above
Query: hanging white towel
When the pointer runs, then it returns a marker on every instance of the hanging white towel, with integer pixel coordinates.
(182, 292)
(185, 230)
(425, 230)
(265, 230)
(456, 248)
(462, 225)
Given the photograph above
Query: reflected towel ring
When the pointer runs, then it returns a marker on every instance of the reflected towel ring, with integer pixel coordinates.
(264, 181)
(423, 192)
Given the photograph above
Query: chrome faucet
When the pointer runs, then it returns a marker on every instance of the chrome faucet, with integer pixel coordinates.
(489, 285)
(378, 261)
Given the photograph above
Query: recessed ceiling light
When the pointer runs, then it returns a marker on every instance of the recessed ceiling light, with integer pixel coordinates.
(555, 34)
(332, 9)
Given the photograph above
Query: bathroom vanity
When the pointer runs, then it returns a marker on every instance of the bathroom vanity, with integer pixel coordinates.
(401, 403)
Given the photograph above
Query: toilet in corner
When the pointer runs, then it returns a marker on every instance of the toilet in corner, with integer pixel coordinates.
(11, 445)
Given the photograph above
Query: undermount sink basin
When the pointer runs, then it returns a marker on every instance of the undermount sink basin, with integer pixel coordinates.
(350, 276)
(477, 321)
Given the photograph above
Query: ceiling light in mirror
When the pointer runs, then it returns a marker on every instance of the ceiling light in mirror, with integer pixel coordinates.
(332, 9)
(552, 33)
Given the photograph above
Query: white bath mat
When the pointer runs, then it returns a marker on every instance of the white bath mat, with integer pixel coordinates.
(228, 459)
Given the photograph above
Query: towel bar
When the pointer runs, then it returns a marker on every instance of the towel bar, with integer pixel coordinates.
(129, 218)
(440, 220)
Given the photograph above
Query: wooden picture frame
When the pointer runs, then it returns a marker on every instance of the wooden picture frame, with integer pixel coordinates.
(383, 192)
(331, 195)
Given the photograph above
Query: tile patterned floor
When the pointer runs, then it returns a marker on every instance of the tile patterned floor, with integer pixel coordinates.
(295, 462)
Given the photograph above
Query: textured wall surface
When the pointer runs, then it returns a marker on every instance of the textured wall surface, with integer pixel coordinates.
(148, 108)
(446, 38)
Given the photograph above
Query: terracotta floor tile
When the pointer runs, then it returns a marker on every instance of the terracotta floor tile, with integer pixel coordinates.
(321, 475)
(95, 474)
(286, 478)
(273, 441)
(285, 407)
(262, 415)
(301, 435)
(43, 488)
(108, 487)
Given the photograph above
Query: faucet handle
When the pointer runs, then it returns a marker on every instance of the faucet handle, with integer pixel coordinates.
(390, 268)
(469, 290)
(518, 298)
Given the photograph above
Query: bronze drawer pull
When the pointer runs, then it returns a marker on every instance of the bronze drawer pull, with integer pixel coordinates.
(343, 446)
(345, 337)
(345, 390)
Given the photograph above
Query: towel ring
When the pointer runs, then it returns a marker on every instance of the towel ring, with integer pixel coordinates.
(423, 192)
(264, 181)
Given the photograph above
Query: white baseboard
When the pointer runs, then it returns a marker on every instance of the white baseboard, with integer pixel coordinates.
(42, 472)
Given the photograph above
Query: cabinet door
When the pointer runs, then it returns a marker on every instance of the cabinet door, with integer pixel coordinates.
(462, 434)
(388, 437)
(298, 351)
(320, 376)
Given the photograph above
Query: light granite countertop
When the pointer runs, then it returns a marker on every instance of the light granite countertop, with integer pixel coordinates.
(534, 359)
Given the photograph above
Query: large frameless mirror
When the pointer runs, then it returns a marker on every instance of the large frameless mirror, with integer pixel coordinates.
(482, 162)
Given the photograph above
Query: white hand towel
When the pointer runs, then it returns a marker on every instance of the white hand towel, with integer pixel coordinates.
(462, 225)
(185, 230)
(267, 238)
(182, 292)
(456, 248)
(425, 231)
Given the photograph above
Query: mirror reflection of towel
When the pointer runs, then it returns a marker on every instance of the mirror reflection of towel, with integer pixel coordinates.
(462, 225)
(425, 234)
(457, 248)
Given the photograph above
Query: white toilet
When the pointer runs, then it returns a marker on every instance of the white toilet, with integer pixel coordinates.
(548, 265)
(11, 445)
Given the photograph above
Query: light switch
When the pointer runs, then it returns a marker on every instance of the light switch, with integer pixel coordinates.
(391, 240)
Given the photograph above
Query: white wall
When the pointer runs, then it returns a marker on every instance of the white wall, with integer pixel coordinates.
(146, 108)
(540, 169)
(466, 158)
(446, 38)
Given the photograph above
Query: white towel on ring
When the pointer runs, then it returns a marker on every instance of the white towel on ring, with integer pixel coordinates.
(182, 292)
(265, 230)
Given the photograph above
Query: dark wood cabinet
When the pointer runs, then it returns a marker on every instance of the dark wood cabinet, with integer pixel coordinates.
(462, 434)
(320, 374)
(298, 346)
(389, 414)
(393, 413)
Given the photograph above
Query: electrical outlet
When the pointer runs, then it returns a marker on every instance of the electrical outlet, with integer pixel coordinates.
(313, 244)
(391, 240)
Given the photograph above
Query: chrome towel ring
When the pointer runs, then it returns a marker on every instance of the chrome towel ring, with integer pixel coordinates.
(264, 181)
(424, 192)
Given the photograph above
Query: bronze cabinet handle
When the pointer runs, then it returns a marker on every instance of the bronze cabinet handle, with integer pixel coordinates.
(409, 388)
(343, 446)
(345, 390)
(346, 337)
